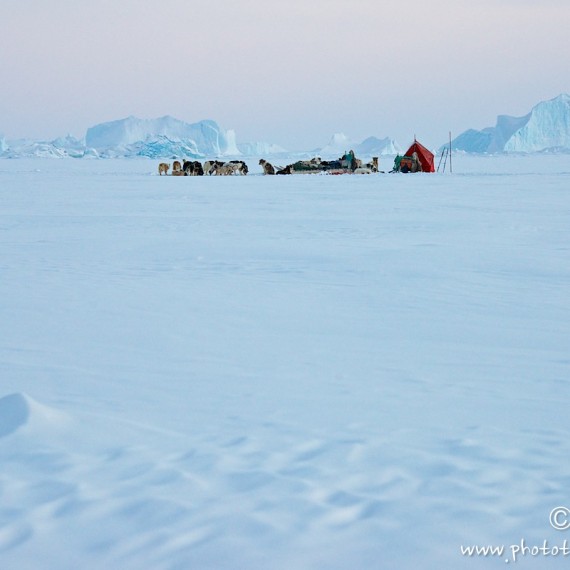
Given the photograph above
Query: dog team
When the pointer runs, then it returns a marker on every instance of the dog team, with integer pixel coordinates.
(347, 164)
(210, 168)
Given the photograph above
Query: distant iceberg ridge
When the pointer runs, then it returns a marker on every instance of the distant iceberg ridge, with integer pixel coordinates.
(165, 137)
(170, 138)
(546, 128)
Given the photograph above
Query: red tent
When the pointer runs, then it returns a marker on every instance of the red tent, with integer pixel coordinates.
(425, 156)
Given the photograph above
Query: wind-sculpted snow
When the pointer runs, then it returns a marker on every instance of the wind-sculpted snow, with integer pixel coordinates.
(18, 411)
(14, 413)
(282, 372)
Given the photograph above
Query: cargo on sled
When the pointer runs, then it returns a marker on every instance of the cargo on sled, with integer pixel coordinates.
(347, 164)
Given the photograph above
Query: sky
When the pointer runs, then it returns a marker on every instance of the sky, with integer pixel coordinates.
(291, 73)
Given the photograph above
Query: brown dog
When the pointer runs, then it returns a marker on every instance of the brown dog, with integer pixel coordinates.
(267, 167)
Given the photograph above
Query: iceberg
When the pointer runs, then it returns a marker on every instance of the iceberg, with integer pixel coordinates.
(166, 137)
(545, 128)
(260, 148)
(473, 141)
(548, 127)
(62, 147)
(71, 145)
(24, 148)
(232, 148)
(171, 138)
(337, 145)
(155, 147)
(372, 146)
(204, 138)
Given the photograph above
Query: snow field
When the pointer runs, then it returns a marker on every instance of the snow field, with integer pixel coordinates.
(281, 372)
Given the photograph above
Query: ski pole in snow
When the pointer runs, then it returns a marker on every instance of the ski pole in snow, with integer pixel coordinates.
(443, 151)
(450, 168)
(445, 160)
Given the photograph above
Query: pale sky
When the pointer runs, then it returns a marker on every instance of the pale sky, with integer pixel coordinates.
(291, 73)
